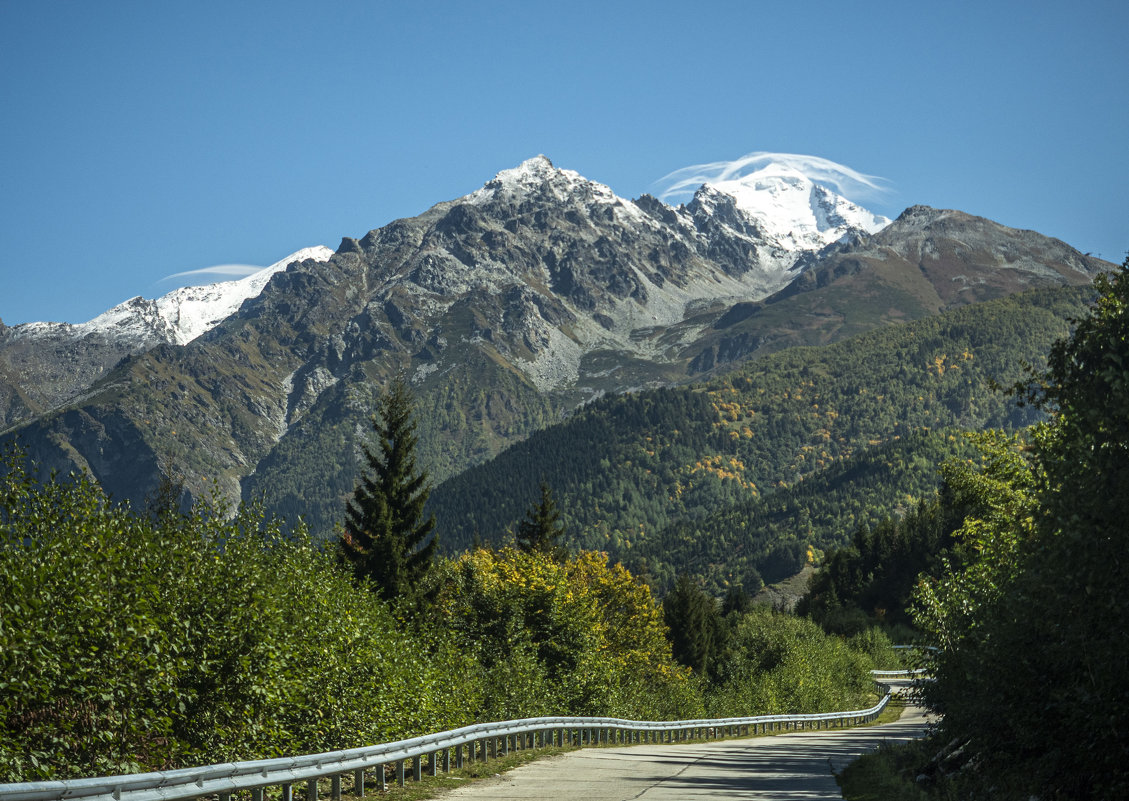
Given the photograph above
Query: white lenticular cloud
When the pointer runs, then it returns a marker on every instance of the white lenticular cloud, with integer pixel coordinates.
(220, 271)
(851, 184)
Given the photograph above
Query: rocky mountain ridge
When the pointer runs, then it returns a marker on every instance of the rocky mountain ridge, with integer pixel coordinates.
(506, 308)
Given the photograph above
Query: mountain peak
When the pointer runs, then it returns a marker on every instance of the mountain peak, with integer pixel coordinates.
(794, 210)
(537, 175)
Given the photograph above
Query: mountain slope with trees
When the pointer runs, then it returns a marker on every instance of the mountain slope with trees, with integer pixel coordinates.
(626, 467)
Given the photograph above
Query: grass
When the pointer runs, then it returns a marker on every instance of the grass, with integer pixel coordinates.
(887, 775)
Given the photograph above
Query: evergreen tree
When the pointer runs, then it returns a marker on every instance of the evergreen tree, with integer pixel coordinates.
(541, 530)
(386, 539)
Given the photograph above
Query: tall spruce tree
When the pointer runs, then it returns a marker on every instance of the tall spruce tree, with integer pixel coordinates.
(541, 530)
(385, 538)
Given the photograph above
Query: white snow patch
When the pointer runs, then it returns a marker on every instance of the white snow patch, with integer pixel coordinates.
(177, 317)
(796, 212)
(192, 311)
(538, 172)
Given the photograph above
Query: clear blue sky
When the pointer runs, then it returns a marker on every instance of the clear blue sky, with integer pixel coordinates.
(142, 139)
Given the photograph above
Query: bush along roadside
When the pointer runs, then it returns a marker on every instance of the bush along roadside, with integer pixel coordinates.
(146, 641)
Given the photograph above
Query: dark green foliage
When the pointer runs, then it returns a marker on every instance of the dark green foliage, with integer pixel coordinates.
(1033, 659)
(386, 538)
(753, 660)
(765, 539)
(694, 623)
(871, 580)
(541, 530)
(736, 601)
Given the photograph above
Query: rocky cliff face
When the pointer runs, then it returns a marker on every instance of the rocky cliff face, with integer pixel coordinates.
(505, 308)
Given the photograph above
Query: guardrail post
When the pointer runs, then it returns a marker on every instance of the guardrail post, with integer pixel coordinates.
(359, 782)
(417, 768)
(286, 790)
(256, 794)
(400, 772)
(312, 790)
(334, 791)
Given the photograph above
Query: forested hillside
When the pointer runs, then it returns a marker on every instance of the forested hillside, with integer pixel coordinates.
(625, 468)
(770, 537)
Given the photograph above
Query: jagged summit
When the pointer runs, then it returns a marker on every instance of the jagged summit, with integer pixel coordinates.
(538, 178)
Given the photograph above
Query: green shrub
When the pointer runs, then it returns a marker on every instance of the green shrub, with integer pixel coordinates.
(578, 637)
(777, 663)
(131, 643)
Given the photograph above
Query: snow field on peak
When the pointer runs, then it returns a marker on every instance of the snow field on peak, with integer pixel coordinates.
(538, 171)
(795, 211)
(194, 310)
(177, 317)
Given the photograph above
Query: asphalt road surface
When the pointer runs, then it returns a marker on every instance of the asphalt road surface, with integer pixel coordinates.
(795, 765)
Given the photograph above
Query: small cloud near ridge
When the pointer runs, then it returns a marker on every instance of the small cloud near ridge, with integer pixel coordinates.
(851, 184)
(222, 271)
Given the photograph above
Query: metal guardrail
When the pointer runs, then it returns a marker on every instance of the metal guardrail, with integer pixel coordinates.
(474, 742)
(907, 673)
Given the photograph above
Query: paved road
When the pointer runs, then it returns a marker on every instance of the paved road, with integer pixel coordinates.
(796, 765)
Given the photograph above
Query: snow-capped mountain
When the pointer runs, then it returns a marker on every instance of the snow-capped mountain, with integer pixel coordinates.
(506, 308)
(51, 362)
(175, 318)
(794, 212)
